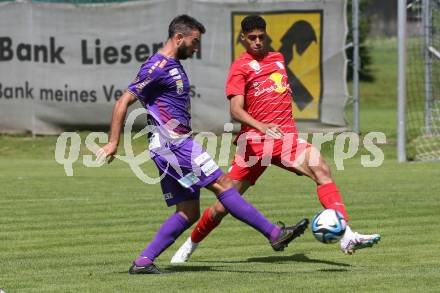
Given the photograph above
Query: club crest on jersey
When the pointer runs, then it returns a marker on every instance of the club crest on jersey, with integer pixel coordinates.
(254, 65)
(179, 85)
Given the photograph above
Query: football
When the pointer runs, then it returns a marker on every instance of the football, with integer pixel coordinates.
(328, 226)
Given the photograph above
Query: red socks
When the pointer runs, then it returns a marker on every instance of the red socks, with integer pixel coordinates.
(328, 195)
(330, 198)
(205, 225)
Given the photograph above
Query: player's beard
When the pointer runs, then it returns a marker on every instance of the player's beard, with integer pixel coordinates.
(183, 51)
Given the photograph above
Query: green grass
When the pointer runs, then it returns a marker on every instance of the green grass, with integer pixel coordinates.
(70, 234)
(80, 233)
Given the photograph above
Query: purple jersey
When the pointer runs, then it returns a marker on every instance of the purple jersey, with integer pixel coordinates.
(163, 88)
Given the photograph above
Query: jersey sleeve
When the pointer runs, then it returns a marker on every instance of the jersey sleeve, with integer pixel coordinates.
(236, 82)
(146, 80)
(280, 58)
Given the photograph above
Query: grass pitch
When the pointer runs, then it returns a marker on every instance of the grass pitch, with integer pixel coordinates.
(80, 233)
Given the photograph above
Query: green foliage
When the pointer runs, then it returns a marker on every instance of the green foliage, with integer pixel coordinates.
(365, 73)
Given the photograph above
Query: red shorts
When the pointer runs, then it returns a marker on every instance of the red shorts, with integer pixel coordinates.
(252, 159)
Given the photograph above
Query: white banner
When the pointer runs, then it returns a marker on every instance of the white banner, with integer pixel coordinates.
(63, 66)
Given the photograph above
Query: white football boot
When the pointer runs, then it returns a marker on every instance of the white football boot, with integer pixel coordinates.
(353, 241)
(184, 252)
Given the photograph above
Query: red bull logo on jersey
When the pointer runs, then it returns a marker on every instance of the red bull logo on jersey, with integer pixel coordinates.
(276, 82)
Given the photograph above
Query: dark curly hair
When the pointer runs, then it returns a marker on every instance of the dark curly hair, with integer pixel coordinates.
(253, 22)
(184, 24)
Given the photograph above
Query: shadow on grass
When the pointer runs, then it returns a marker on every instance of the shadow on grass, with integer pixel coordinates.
(171, 269)
(333, 270)
(299, 257)
(207, 268)
(190, 268)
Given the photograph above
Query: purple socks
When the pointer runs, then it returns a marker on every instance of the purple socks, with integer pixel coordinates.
(245, 212)
(176, 224)
(167, 234)
(142, 261)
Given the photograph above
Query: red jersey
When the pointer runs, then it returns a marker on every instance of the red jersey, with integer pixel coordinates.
(267, 94)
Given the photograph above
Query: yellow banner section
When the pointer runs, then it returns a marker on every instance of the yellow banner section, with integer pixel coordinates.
(297, 35)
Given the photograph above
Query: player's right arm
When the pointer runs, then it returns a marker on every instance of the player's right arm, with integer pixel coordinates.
(235, 91)
(118, 118)
(137, 90)
(241, 115)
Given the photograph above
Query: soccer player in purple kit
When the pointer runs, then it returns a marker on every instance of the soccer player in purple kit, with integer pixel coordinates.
(163, 88)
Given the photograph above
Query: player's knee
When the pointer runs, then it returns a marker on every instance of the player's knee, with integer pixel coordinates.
(325, 169)
(191, 217)
(322, 173)
(218, 211)
(225, 182)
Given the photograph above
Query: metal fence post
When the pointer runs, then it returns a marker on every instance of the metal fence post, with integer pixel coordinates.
(401, 82)
(356, 65)
(427, 29)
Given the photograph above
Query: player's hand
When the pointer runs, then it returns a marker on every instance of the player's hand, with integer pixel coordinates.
(272, 130)
(107, 153)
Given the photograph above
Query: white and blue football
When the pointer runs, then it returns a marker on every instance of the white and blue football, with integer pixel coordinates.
(328, 226)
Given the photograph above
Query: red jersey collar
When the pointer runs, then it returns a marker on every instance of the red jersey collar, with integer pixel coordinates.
(250, 56)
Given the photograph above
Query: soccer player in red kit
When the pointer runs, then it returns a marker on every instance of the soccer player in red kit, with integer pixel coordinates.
(260, 98)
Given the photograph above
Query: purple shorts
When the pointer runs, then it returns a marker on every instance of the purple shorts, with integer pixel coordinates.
(185, 169)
